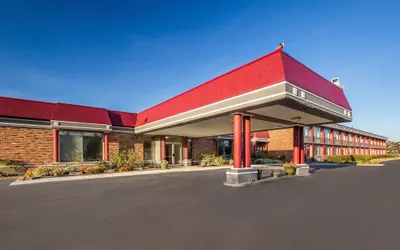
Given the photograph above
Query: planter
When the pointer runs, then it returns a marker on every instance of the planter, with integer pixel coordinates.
(187, 163)
(290, 170)
(259, 174)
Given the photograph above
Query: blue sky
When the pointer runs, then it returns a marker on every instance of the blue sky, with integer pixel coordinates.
(130, 55)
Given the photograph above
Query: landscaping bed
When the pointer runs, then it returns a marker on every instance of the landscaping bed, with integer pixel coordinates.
(360, 159)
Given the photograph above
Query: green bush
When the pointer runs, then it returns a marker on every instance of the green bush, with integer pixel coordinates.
(57, 171)
(125, 159)
(12, 171)
(212, 160)
(231, 162)
(6, 162)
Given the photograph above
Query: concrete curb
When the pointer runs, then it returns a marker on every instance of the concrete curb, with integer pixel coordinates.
(370, 165)
(114, 175)
(262, 181)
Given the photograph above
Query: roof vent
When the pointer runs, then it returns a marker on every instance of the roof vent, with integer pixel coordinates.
(335, 81)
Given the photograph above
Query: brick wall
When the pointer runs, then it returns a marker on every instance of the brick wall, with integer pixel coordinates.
(203, 146)
(281, 142)
(26, 144)
(123, 141)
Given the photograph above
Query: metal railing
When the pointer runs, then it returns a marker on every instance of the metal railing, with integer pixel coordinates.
(317, 140)
(337, 142)
(308, 139)
(351, 143)
(328, 141)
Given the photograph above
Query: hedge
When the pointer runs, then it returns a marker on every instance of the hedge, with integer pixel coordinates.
(355, 158)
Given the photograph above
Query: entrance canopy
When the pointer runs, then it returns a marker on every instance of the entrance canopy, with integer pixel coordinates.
(276, 90)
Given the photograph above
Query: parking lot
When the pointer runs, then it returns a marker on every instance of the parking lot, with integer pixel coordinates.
(346, 208)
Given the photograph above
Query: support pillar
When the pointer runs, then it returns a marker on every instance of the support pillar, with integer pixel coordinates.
(302, 145)
(296, 146)
(237, 140)
(247, 142)
(163, 157)
(106, 147)
(237, 175)
(55, 146)
(185, 148)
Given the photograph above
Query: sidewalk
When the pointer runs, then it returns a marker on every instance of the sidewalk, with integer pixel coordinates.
(113, 175)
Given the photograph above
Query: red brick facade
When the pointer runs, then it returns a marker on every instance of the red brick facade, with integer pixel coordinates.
(26, 144)
(281, 142)
(203, 146)
(123, 141)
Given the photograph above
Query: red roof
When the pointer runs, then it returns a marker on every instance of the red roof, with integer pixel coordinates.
(19, 108)
(265, 71)
(123, 119)
(76, 113)
(303, 77)
(262, 72)
(263, 134)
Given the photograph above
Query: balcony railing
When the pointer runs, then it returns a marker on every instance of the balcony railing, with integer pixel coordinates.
(345, 143)
(337, 142)
(351, 143)
(328, 141)
(317, 140)
(308, 139)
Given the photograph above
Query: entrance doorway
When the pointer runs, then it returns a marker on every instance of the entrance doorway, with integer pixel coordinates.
(173, 153)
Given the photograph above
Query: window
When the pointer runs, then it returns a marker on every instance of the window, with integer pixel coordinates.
(306, 131)
(344, 135)
(336, 134)
(190, 148)
(147, 148)
(80, 146)
(317, 132)
(327, 150)
(261, 146)
(350, 151)
(343, 151)
(225, 148)
(350, 137)
(327, 133)
(337, 152)
(317, 150)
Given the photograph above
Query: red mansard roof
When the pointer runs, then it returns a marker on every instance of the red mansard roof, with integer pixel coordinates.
(123, 119)
(77, 113)
(265, 71)
(28, 109)
(20, 108)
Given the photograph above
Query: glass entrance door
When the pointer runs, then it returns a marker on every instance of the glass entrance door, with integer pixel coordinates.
(173, 153)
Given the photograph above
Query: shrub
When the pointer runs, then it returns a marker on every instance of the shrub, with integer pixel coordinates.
(218, 161)
(42, 171)
(212, 160)
(7, 162)
(57, 171)
(12, 170)
(29, 172)
(71, 169)
(290, 165)
(125, 159)
(231, 162)
(163, 164)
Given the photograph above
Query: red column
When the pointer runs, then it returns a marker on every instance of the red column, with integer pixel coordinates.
(296, 146)
(237, 140)
(322, 135)
(185, 148)
(301, 135)
(333, 142)
(106, 147)
(55, 145)
(247, 142)
(163, 147)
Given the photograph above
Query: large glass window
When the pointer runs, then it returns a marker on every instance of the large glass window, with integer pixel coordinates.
(147, 147)
(344, 135)
(337, 152)
(327, 133)
(306, 131)
(80, 146)
(317, 132)
(336, 134)
(190, 148)
(225, 148)
(327, 150)
(317, 150)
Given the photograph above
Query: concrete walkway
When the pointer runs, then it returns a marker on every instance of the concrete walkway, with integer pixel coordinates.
(113, 175)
